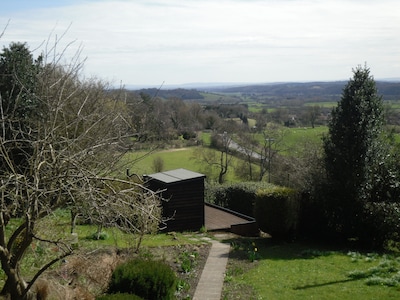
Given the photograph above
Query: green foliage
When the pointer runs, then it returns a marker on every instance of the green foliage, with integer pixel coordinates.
(203, 229)
(380, 223)
(239, 197)
(355, 155)
(119, 297)
(182, 286)
(187, 261)
(158, 164)
(146, 278)
(277, 211)
(99, 236)
(19, 83)
(353, 130)
(386, 273)
(303, 270)
(252, 253)
(249, 249)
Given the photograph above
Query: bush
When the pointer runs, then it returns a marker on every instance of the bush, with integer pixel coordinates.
(148, 279)
(277, 211)
(119, 297)
(158, 164)
(380, 224)
(241, 198)
(238, 197)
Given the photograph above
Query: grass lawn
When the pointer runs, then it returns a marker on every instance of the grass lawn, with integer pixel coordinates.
(141, 162)
(306, 271)
(296, 138)
(186, 158)
(293, 139)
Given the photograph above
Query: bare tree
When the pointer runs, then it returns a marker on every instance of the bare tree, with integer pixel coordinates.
(269, 148)
(247, 148)
(312, 114)
(60, 137)
(218, 158)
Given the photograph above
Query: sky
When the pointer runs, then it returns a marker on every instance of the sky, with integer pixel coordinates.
(172, 42)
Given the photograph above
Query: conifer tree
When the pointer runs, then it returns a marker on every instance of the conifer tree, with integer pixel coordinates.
(352, 148)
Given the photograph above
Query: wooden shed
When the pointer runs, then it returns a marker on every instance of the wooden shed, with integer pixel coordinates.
(184, 191)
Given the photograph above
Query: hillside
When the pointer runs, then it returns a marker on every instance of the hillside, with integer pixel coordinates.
(184, 94)
(389, 90)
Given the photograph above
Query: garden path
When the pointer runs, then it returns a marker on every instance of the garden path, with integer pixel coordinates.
(212, 277)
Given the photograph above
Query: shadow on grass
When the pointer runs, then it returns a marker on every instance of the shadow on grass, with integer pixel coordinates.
(268, 248)
(317, 285)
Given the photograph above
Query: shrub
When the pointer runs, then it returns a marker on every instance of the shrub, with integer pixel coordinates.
(146, 278)
(380, 223)
(119, 297)
(239, 197)
(276, 211)
(187, 261)
(158, 164)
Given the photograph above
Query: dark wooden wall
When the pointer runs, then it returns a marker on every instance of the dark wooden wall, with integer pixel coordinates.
(185, 203)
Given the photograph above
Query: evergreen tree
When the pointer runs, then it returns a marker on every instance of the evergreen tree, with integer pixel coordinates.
(18, 81)
(352, 150)
(19, 103)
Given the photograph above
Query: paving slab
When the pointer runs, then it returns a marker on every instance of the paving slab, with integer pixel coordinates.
(212, 277)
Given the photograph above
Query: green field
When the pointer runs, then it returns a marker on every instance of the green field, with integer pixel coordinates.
(328, 104)
(294, 139)
(291, 141)
(142, 163)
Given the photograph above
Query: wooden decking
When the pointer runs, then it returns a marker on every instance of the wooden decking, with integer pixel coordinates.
(220, 219)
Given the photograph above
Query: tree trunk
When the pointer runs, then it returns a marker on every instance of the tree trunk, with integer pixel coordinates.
(15, 286)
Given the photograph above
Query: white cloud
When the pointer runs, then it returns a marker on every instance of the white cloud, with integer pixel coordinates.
(203, 40)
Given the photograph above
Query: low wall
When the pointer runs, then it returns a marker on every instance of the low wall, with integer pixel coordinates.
(245, 229)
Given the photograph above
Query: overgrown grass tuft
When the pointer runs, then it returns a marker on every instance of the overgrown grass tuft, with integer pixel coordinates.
(386, 273)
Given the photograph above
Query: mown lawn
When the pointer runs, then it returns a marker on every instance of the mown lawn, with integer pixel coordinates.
(309, 271)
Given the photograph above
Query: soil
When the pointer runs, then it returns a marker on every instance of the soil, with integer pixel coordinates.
(86, 275)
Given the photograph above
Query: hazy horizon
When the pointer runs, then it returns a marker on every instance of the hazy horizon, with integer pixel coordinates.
(203, 41)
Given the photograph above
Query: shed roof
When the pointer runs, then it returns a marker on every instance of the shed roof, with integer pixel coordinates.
(177, 175)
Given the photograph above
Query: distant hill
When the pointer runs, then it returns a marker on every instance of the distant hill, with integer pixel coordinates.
(184, 94)
(389, 90)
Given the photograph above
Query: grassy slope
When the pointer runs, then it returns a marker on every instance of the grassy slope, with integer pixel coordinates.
(296, 138)
(173, 159)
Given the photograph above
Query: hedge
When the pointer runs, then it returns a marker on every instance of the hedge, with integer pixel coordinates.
(119, 297)
(239, 197)
(277, 211)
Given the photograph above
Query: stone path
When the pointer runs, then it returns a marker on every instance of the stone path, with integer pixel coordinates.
(212, 277)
